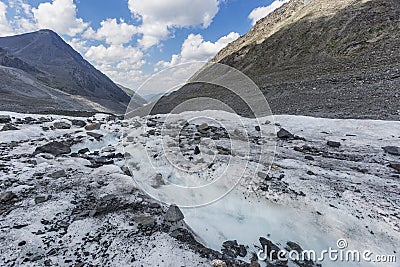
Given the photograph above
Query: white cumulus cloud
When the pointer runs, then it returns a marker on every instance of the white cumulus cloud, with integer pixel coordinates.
(5, 28)
(121, 63)
(262, 12)
(159, 17)
(112, 31)
(195, 48)
(60, 16)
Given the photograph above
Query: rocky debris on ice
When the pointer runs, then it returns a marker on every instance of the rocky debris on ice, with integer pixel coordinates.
(61, 125)
(218, 263)
(333, 144)
(55, 148)
(96, 215)
(393, 150)
(284, 134)
(5, 119)
(173, 214)
(232, 249)
(9, 127)
(93, 126)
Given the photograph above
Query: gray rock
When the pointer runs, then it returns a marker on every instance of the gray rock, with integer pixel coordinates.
(61, 125)
(57, 174)
(95, 135)
(264, 176)
(54, 148)
(7, 196)
(333, 144)
(395, 166)
(268, 247)
(9, 127)
(145, 220)
(294, 246)
(93, 126)
(203, 128)
(284, 134)
(158, 181)
(84, 151)
(254, 264)
(41, 199)
(151, 123)
(173, 214)
(393, 150)
(126, 170)
(78, 123)
(5, 119)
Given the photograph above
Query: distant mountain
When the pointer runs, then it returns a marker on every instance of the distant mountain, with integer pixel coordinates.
(140, 101)
(323, 58)
(42, 73)
(153, 97)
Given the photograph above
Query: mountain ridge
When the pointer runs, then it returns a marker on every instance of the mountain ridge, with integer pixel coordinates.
(46, 58)
(335, 59)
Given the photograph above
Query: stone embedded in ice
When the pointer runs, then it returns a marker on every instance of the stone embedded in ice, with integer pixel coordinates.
(54, 148)
(5, 119)
(61, 125)
(284, 134)
(333, 144)
(393, 150)
(173, 214)
(93, 126)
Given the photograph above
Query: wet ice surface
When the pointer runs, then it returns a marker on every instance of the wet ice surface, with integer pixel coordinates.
(347, 192)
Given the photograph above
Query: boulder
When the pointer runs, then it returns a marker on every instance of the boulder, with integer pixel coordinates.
(41, 199)
(93, 126)
(61, 125)
(264, 176)
(218, 263)
(158, 181)
(269, 247)
(151, 123)
(95, 135)
(9, 127)
(393, 150)
(333, 144)
(232, 249)
(395, 166)
(294, 246)
(196, 150)
(78, 123)
(7, 196)
(173, 214)
(203, 128)
(145, 220)
(54, 148)
(84, 151)
(57, 174)
(284, 134)
(5, 119)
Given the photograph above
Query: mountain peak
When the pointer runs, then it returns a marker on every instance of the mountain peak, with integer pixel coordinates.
(57, 65)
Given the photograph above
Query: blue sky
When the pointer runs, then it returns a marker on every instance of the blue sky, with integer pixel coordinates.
(131, 39)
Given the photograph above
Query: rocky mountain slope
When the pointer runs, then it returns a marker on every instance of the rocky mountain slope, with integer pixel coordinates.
(323, 58)
(135, 97)
(44, 74)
